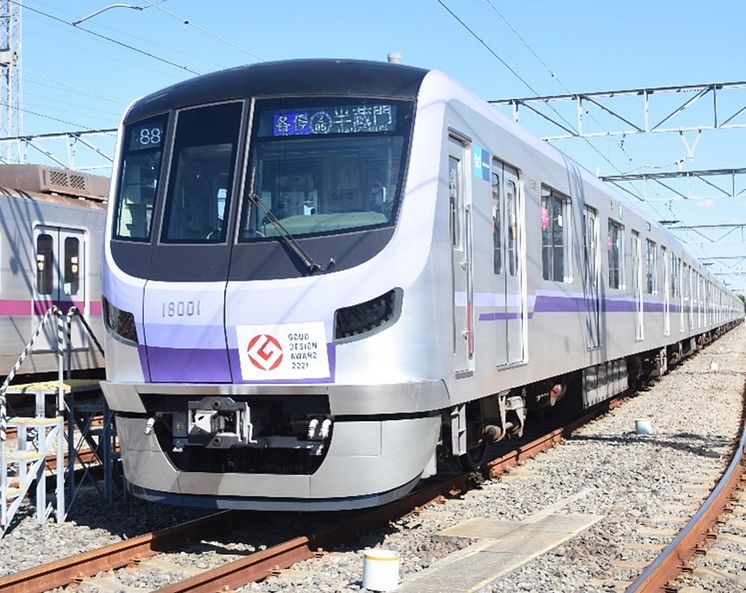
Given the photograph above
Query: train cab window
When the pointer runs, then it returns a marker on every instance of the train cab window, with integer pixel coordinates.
(555, 235)
(616, 255)
(326, 166)
(72, 266)
(651, 267)
(201, 176)
(497, 260)
(141, 166)
(44, 264)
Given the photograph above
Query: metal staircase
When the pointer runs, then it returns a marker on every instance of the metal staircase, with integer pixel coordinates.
(38, 438)
(41, 439)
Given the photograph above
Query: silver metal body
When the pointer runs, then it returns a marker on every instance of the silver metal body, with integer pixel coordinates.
(68, 229)
(463, 332)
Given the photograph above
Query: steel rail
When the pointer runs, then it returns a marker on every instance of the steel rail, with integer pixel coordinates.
(260, 565)
(674, 559)
(67, 570)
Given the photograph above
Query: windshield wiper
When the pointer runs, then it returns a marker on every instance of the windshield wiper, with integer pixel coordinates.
(311, 264)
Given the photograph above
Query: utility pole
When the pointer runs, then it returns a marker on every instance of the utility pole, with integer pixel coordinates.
(11, 119)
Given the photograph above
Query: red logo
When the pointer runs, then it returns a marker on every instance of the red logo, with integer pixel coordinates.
(265, 352)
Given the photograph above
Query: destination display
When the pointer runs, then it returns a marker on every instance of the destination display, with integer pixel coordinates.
(336, 119)
(145, 136)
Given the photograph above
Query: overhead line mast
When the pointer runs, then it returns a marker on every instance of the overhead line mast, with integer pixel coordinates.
(11, 122)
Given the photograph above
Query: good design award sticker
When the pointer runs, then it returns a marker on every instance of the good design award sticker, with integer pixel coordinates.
(293, 351)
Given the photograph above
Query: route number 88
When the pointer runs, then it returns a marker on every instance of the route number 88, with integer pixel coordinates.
(150, 136)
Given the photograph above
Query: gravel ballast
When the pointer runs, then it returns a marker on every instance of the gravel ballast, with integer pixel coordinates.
(643, 487)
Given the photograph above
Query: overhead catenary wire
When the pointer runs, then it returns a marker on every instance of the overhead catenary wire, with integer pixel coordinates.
(556, 78)
(190, 23)
(107, 38)
(524, 81)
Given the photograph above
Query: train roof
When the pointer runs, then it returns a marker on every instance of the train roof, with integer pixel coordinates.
(287, 78)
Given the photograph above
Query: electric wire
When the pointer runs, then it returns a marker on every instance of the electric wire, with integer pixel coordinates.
(63, 85)
(107, 38)
(525, 82)
(190, 23)
(556, 77)
(142, 42)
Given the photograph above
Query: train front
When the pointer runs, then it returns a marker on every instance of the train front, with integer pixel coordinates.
(263, 290)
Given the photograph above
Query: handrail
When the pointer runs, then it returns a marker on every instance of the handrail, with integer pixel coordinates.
(64, 344)
(51, 312)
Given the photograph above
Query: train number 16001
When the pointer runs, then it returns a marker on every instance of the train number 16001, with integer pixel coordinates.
(181, 309)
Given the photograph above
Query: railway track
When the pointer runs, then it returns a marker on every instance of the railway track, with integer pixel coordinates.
(270, 561)
(676, 560)
(265, 562)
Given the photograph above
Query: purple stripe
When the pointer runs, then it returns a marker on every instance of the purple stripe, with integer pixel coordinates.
(573, 304)
(27, 307)
(14, 308)
(200, 365)
(501, 316)
(41, 306)
(192, 365)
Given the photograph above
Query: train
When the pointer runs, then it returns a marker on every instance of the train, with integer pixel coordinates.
(51, 242)
(323, 279)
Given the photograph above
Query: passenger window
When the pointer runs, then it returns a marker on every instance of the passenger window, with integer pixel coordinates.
(555, 235)
(616, 255)
(72, 266)
(497, 263)
(44, 264)
(651, 268)
(199, 193)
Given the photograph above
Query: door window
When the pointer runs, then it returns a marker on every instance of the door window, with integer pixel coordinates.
(72, 266)
(44, 264)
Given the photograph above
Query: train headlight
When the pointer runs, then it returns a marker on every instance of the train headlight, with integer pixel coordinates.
(122, 323)
(368, 316)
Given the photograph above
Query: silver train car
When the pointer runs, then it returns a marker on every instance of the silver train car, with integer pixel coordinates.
(322, 278)
(51, 234)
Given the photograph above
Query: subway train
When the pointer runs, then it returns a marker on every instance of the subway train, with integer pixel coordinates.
(324, 278)
(51, 234)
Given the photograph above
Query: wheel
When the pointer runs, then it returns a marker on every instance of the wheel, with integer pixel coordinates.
(473, 459)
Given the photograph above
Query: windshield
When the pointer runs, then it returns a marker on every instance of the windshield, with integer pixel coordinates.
(201, 177)
(329, 168)
(141, 166)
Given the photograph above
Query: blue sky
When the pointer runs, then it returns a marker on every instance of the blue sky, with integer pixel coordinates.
(73, 79)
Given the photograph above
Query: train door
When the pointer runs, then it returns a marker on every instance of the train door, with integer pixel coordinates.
(461, 247)
(637, 285)
(507, 263)
(60, 265)
(592, 277)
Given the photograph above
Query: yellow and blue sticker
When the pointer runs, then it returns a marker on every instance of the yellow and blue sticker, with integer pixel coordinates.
(481, 163)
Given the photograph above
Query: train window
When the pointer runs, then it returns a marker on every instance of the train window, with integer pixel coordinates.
(44, 264)
(511, 209)
(555, 235)
(138, 179)
(454, 200)
(674, 276)
(324, 166)
(616, 255)
(497, 263)
(201, 177)
(72, 265)
(651, 267)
